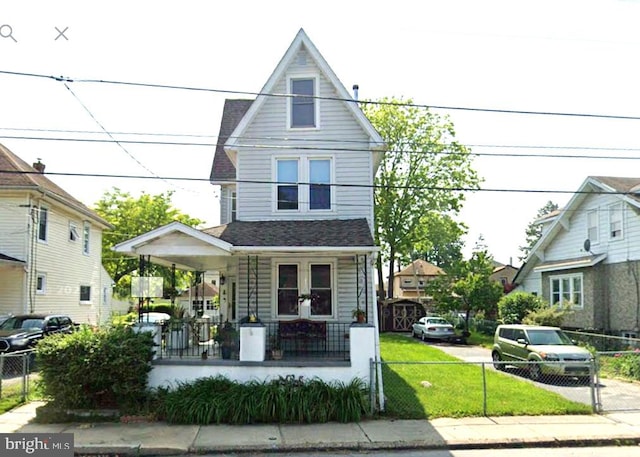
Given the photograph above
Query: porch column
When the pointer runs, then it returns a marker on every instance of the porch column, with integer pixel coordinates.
(362, 341)
(253, 342)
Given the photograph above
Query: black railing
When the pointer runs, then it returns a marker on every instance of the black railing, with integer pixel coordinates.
(291, 339)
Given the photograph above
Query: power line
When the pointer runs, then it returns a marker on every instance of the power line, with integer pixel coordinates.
(346, 149)
(368, 186)
(317, 97)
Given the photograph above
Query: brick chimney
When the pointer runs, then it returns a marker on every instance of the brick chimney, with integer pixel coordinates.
(39, 166)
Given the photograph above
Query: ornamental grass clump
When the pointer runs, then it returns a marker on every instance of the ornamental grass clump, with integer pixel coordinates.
(217, 400)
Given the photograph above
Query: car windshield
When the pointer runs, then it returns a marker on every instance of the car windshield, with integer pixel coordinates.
(14, 323)
(552, 336)
(437, 320)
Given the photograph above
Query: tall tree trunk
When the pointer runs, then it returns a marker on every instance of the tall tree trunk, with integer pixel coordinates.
(380, 277)
(392, 261)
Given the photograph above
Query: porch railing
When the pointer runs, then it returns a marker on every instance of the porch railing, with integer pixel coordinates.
(196, 339)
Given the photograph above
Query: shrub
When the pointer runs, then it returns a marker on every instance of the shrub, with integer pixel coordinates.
(514, 307)
(103, 368)
(216, 400)
(548, 315)
(625, 365)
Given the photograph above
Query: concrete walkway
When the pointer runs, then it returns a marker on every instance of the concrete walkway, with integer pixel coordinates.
(158, 438)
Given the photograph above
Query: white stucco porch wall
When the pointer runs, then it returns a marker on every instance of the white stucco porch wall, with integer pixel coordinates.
(362, 350)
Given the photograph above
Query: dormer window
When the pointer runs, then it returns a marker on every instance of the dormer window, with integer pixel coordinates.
(303, 104)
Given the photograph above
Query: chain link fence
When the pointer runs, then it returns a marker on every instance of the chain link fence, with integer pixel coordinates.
(17, 370)
(480, 388)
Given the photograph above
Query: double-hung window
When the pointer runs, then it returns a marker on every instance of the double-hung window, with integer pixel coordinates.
(319, 184)
(291, 195)
(303, 103)
(592, 226)
(288, 290)
(85, 294)
(615, 221)
(43, 219)
(287, 178)
(293, 279)
(567, 289)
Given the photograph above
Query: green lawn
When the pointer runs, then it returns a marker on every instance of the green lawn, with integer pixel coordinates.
(12, 395)
(456, 390)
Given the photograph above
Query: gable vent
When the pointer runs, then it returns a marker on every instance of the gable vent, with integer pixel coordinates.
(302, 59)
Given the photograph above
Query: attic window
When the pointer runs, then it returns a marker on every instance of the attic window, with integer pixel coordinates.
(303, 105)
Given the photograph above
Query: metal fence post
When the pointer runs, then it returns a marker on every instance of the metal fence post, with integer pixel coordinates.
(594, 375)
(484, 390)
(24, 375)
(372, 385)
(1, 372)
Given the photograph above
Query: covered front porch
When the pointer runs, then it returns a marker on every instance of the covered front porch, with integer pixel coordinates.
(283, 309)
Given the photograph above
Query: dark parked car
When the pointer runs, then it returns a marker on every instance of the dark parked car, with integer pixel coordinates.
(22, 332)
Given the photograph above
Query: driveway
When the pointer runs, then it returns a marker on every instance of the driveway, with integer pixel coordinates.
(615, 395)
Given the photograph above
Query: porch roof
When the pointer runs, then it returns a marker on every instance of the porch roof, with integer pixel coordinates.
(567, 264)
(327, 233)
(209, 249)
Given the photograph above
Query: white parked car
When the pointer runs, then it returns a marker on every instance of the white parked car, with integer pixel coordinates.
(432, 328)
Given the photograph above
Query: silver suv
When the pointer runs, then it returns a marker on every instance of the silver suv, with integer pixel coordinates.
(529, 343)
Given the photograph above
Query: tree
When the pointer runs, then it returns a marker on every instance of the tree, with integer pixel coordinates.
(514, 307)
(441, 241)
(132, 217)
(423, 175)
(468, 287)
(534, 229)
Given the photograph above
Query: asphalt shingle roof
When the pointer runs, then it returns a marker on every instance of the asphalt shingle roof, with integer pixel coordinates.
(234, 110)
(18, 174)
(308, 233)
(630, 185)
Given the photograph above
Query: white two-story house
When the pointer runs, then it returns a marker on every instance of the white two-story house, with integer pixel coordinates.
(589, 255)
(50, 247)
(295, 249)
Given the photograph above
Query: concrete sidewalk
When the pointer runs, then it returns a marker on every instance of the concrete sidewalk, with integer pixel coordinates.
(157, 438)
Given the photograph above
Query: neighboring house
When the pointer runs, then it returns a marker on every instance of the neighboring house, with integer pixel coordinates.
(296, 177)
(200, 298)
(589, 254)
(50, 247)
(411, 282)
(504, 274)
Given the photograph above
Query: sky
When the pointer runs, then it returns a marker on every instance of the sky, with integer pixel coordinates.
(464, 59)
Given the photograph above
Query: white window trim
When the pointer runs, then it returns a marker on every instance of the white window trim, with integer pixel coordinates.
(570, 278)
(611, 210)
(86, 243)
(597, 226)
(316, 100)
(304, 284)
(43, 290)
(304, 203)
(46, 227)
(233, 196)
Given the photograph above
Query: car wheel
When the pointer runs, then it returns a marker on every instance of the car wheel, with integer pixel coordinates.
(497, 362)
(422, 337)
(534, 372)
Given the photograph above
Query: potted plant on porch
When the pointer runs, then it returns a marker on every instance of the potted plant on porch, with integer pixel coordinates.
(227, 339)
(359, 315)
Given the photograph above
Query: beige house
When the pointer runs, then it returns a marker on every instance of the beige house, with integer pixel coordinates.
(50, 247)
(504, 274)
(589, 255)
(411, 282)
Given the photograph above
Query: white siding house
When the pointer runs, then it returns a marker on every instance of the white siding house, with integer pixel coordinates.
(296, 175)
(589, 254)
(50, 247)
